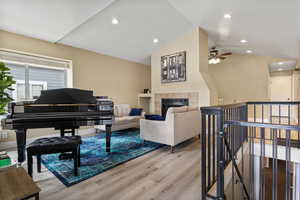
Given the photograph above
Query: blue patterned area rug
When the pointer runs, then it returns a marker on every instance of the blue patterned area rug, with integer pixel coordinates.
(126, 145)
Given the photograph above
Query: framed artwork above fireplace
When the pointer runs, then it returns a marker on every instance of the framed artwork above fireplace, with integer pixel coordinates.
(173, 67)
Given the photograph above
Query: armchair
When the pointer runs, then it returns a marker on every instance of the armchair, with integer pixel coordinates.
(181, 124)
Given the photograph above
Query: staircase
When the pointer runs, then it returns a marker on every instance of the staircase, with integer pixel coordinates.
(251, 151)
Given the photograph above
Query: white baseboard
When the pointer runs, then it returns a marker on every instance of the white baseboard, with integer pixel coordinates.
(13, 144)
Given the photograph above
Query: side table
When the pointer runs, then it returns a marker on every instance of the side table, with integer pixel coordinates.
(16, 184)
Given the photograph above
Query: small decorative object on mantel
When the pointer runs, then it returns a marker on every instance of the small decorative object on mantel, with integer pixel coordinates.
(147, 91)
(173, 67)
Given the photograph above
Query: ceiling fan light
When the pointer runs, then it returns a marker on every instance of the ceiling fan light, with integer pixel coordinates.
(214, 61)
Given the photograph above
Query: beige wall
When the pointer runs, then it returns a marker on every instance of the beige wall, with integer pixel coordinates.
(195, 43)
(203, 66)
(119, 79)
(243, 77)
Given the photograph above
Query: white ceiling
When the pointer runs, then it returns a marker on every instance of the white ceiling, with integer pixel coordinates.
(132, 38)
(272, 27)
(47, 20)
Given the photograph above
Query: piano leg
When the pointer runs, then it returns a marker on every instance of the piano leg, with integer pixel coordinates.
(108, 136)
(21, 144)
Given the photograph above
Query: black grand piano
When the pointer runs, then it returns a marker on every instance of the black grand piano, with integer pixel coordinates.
(63, 109)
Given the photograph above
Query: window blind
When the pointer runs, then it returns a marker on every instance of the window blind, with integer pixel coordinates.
(55, 78)
(33, 60)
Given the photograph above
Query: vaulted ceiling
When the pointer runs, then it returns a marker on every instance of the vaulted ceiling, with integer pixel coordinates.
(271, 27)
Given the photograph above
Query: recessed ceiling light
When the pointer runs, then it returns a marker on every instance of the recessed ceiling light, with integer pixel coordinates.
(227, 16)
(249, 51)
(280, 63)
(243, 41)
(115, 21)
(155, 40)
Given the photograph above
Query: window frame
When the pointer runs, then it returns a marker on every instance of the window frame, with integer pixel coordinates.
(68, 72)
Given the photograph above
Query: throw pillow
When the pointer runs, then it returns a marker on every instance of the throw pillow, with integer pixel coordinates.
(136, 112)
(154, 117)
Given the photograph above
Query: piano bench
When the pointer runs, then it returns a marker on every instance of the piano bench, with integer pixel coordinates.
(52, 145)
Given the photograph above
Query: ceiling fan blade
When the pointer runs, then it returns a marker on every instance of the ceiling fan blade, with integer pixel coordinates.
(221, 57)
(214, 51)
(226, 54)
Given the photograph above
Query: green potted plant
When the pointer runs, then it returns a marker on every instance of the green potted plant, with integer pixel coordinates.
(6, 81)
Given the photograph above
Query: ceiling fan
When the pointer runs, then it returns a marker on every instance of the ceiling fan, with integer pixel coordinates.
(215, 56)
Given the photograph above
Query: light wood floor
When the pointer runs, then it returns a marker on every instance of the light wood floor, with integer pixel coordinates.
(159, 175)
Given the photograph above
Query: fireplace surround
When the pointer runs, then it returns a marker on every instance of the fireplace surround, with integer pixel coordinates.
(172, 102)
(192, 96)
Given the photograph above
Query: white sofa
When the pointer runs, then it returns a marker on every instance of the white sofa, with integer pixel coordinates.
(181, 124)
(122, 118)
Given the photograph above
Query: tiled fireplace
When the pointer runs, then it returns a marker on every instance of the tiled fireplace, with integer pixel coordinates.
(192, 99)
(173, 102)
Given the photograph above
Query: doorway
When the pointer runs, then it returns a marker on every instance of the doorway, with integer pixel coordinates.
(281, 88)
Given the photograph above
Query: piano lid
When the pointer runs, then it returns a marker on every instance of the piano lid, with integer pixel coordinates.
(66, 96)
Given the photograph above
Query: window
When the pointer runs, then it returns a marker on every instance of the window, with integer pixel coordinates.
(35, 74)
(19, 93)
(35, 88)
(30, 81)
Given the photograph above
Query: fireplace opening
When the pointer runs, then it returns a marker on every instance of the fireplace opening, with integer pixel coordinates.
(174, 102)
